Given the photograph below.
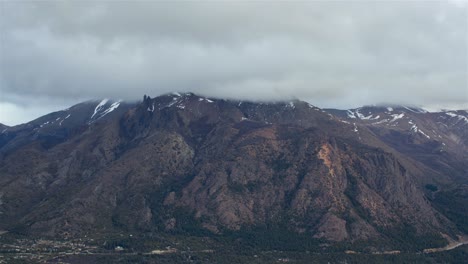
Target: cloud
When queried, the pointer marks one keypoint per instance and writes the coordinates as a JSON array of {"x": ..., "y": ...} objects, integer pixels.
[
  {"x": 15, "y": 112},
  {"x": 332, "y": 54}
]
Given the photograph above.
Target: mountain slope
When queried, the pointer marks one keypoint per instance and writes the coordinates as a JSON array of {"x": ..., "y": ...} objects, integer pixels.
[
  {"x": 57, "y": 127},
  {"x": 439, "y": 140},
  {"x": 185, "y": 162}
]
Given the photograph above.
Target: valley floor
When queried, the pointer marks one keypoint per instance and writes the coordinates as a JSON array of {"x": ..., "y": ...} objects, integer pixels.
[{"x": 186, "y": 249}]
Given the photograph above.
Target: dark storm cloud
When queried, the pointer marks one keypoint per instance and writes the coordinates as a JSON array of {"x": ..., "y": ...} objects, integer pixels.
[{"x": 335, "y": 54}]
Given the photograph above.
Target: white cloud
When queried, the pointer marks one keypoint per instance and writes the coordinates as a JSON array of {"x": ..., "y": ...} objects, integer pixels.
[
  {"x": 332, "y": 54},
  {"x": 13, "y": 114}
]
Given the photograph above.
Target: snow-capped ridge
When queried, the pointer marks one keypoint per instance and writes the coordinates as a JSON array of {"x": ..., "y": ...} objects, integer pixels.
[
  {"x": 103, "y": 108},
  {"x": 99, "y": 106},
  {"x": 459, "y": 117}
]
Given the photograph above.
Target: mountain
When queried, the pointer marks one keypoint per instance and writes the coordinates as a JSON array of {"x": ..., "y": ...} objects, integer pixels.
[
  {"x": 187, "y": 163},
  {"x": 439, "y": 140},
  {"x": 57, "y": 127}
]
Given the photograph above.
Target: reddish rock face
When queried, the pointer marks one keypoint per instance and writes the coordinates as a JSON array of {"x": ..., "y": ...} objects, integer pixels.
[{"x": 180, "y": 160}]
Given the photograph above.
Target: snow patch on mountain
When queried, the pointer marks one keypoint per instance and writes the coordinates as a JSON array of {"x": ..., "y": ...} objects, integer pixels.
[
  {"x": 100, "y": 111},
  {"x": 174, "y": 101},
  {"x": 205, "y": 99},
  {"x": 358, "y": 114},
  {"x": 99, "y": 107},
  {"x": 111, "y": 108},
  {"x": 380, "y": 122},
  {"x": 460, "y": 117},
  {"x": 415, "y": 110},
  {"x": 61, "y": 121},
  {"x": 181, "y": 106},
  {"x": 396, "y": 117},
  {"x": 151, "y": 109},
  {"x": 45, "y": 123},
  {"x": 350, "y": 114},
  {"x": 415, "y": 129}
]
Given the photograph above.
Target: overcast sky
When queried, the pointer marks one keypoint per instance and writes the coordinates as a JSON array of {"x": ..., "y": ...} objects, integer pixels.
[{"x": 340, "y": 54}]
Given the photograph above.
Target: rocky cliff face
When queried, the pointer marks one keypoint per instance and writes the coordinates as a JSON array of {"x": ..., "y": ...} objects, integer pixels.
[{"x": 181, "y": 160}]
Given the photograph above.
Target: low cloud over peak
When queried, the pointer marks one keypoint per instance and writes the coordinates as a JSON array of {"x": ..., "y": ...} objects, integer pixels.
[{"x": 332, "y": 54}]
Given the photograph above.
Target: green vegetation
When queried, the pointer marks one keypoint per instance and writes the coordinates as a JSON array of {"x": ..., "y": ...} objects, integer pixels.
[
  {"x": 453, "y": 203},
  {"x": 259, "y": 245},
  {"x": 269, "y": 239},
  {"x": 455, "y": 256},
  {"x": 406, "y": 238},
  {"x": 432, "y": 187}
]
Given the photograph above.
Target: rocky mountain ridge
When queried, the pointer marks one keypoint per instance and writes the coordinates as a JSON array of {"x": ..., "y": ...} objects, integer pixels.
[{"x": 186, "y": 162}]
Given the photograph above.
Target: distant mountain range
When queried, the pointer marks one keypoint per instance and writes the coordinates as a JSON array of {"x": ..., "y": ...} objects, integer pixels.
[{"x": 197, "y": 164}]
